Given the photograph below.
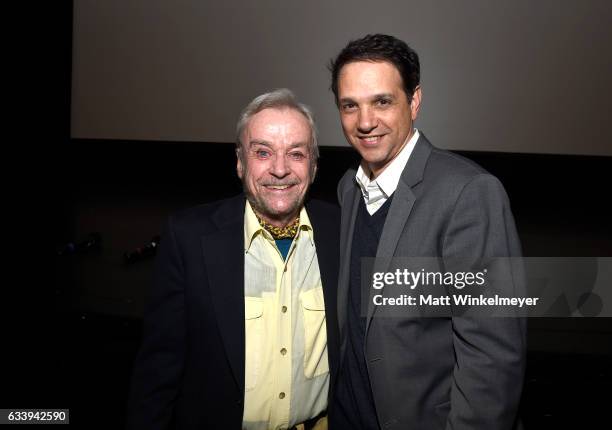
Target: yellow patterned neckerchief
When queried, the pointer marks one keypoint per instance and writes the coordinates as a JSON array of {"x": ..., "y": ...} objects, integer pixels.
[{"x": 277, "y": 233}]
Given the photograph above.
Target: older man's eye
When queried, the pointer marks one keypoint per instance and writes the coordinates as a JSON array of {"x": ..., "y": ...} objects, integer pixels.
[
  {"x": 297, "y": 156},
  {"x": 262, "y": 153}
]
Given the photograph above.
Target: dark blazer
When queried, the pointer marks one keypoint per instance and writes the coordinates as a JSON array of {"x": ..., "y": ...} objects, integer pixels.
[
  {"x": 189, "y": 373},
  {"x": 437, "y": 373}
]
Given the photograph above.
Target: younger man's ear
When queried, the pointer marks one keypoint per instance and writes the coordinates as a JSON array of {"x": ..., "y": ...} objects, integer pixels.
[{"x": 415, "y": 103}]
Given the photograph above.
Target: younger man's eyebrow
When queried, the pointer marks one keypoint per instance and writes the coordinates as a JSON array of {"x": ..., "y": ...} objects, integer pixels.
[
  {"x": 346, "y": 100},
  {"x": 375, "y": 97},
  {"x": 382, "y": 96}
]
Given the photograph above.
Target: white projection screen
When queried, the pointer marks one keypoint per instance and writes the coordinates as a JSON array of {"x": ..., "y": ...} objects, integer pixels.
[{"x": 514, "y": 76}]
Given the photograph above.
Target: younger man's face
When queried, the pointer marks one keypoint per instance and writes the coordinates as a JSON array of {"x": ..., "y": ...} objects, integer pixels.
[{"x": 376, "y": 115}]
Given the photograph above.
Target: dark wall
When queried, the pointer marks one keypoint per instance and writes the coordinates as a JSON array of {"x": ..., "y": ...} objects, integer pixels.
[{"x": 125, "y": 190}]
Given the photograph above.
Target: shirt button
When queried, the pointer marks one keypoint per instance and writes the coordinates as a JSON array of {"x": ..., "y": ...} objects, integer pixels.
[
  {"x": 283, "y": 351},
  {"x": 284, "y": 309},
  {"x": 281, "y": 395},
  {"x": 285, "y": 269}
]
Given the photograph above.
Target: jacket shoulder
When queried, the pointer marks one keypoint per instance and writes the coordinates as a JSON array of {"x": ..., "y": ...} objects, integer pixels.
[
  {"x": 206, "y": 217},
  {"x": 322, "y": 208},
  {"x": 453, "y": 166},
  {"x": 323, "y": 214},
  {"x": 445, "y": 175}
]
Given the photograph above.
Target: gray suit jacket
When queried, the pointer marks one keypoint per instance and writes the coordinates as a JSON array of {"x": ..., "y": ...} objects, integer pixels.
[{"x": 439, "y": 373}]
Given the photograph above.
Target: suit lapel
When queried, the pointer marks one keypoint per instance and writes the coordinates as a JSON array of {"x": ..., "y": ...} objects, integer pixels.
[
  {"x": 399, "y": 212},
  {"x": 348, "y": 217},
  {"x": 223, "y": 252},
  {"x": 401, "y": 206}
]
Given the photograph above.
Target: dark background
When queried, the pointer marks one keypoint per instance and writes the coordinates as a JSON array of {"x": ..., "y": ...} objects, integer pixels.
[{"x": 72, "y": 324}]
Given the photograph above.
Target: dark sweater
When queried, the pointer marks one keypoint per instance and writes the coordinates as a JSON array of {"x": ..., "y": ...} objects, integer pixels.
[{"x": 355, "y": 407}]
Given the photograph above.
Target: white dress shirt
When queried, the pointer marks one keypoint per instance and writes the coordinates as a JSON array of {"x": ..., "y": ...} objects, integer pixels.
[{"x": 377, "y": 191}]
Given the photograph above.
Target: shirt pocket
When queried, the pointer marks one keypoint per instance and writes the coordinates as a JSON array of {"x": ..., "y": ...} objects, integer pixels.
[
  {"x": 315, "y": 333},
  {"x": 254, "y": 327}
]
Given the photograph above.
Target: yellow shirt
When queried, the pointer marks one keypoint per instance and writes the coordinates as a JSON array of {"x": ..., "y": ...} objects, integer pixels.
[{"x": 286, "y": 367}]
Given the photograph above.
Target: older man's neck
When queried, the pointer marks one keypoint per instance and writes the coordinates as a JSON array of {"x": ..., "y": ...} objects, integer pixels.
[{"x": 280, "y": 222}]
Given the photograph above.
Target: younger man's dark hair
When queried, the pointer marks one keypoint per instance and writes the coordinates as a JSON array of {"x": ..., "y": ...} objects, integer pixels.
[{"x": 380, "y": 47}]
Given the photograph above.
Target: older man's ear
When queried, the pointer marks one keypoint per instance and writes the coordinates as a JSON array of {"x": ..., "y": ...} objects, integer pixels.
[
  {"x": 239, "y": 168},
  {"x": 314, "y": 173}
]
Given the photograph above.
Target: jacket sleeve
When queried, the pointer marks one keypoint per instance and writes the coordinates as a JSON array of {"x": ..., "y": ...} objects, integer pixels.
[
  {"x": 159, "y": 364},
  {"x": 490, "y": 351}
]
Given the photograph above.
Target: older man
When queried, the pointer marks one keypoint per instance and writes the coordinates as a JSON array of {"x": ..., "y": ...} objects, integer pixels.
[
  {"x": 235, "y": 333},
  {"x": 411, "y": 199}
]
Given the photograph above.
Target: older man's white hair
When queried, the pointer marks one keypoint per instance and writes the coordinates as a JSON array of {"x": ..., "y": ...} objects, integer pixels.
[{"x": 281, "y": 98}]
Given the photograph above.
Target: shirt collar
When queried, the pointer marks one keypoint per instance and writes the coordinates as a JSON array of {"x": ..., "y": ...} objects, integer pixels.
[
  {"x": 387, "y": 181},
  {"x": 252, "y": 227}
]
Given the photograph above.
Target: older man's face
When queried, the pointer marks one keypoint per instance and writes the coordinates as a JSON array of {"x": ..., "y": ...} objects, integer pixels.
[{"x": 275, "y": 164}]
